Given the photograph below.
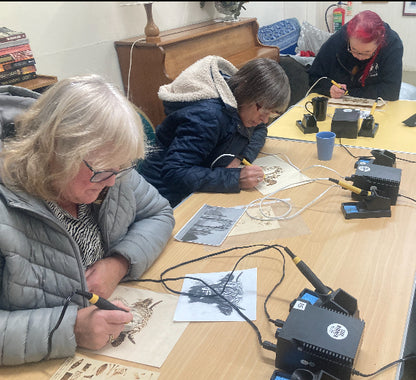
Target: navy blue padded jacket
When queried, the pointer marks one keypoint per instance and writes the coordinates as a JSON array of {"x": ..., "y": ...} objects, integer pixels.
[{"x": 194, "y": 144}]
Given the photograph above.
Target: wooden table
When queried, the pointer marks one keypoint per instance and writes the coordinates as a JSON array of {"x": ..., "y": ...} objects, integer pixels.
[{"x": 371, "y": 259}]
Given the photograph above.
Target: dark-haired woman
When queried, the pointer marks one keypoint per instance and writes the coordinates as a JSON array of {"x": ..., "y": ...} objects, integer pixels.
[{"x": 216, "y": 116}]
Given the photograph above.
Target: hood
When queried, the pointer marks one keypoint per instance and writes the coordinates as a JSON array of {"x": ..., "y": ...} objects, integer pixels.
[
  {"x": 202, "y": 80},
  {"x": 13, "y": 101}
]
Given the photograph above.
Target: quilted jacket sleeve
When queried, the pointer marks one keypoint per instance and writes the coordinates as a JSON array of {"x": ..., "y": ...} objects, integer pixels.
[
  {"x": 200, "y": 130},
  {"x": 138, "y": 222},
  {"x": 257, "y": 141},
  {"x": 24, "y": 334}
]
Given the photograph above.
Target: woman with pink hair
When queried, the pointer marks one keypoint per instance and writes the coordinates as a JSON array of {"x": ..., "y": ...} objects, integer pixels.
[{"x": 364, "y": 57}]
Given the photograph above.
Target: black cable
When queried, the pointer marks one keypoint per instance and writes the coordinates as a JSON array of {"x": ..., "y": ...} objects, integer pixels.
[
  {"x": 397, "y": 158},
  {"x": 404, "y": 196},
  {"x": 410, "y": 357},
  {"x": 340, "y": 143},
  {"x": 403, "y": 159},
  {"x": 262, "y": 248},
  {"x": 61, "y": 317},
  {"x": 274, "y": 288}
]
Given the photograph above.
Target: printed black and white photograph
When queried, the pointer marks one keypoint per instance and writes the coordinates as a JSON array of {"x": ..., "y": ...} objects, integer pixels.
[
  {"x": 202, "y": 302},
  {"x": 210, "y": 225}
]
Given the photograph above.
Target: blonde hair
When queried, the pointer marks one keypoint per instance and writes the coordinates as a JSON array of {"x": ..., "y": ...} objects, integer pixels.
[{"x": 76, "y": 117}]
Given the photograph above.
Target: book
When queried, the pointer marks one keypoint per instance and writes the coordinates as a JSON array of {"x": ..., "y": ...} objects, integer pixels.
[
  {"x": 14, "y": 73},
  {"x": 16, "y": 56},
  {"x": 7, "y": 44},
  {"x": 7, "y": 34},
  {"x": 18, "y": 79},
  {"x": 13, "y": 49},
  {"x": 17, "y": 64}
]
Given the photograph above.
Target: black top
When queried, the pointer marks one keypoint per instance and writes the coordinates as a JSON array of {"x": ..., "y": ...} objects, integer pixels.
[{"x": 335, "y": 62}]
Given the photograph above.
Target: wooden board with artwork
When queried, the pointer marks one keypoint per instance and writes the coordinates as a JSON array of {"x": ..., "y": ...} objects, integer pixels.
[{"x": 353, "y": 101}]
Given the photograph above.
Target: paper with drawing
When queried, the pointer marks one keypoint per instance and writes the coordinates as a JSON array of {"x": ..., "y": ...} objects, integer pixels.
[
  {"x": 82, "y": 367},
  {"x": 247, "y": 224},
  {"x": 278, "y": 174},
  {"x": 152, "y": 334}
]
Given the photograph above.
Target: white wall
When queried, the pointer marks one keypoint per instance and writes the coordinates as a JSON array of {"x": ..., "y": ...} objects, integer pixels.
[{"x": 73, "y": 38}]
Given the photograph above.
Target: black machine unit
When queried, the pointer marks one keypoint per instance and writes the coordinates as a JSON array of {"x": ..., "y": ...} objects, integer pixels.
[
  {"x": 386, "y": 179},
  {"x": 345, "y": 122},
  {"x": 318, "y": 339}
]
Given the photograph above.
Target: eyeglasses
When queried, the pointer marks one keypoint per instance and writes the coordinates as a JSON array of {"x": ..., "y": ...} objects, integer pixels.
[
  {"x": 264, "y": 112},
  {"x": 357, "y": 53},
  {"x": 100, "y": 176}
]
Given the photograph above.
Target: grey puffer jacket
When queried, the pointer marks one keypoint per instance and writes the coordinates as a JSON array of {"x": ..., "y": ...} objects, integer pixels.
[{"x": 40, "y": 263}]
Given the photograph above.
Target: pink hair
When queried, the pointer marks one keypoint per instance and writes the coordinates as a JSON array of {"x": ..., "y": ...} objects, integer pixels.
[{"x": 367, "y": 26}]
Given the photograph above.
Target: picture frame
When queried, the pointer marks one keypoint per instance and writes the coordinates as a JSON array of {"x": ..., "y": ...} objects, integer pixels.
[{"x": 409, "y": 8}]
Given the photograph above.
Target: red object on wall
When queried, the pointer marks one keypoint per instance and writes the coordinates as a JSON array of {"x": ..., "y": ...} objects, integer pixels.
[{"x": 338, "y": 18}]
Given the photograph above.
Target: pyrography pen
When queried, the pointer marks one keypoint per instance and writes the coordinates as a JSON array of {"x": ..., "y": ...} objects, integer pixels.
[
  {"x": 350, "y": 187},
  {"x": 339, "y": 86},
  {"x": 98, "y": 301},
  {"x": 306, "y": 271},
  {"x": 373, "y": 108},
  {"x": 245, "y": 162}
]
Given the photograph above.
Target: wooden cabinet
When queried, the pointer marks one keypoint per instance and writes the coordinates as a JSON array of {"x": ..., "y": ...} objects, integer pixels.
[{"x": 147, "y": 64}]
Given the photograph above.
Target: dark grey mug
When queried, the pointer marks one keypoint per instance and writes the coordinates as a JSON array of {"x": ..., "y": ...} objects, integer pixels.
[{"x": 319, "y": 106}]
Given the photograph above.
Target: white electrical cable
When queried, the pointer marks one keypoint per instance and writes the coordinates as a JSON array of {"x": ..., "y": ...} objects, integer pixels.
[
  {"x": 270, "y": 199},
  {"x": 130, "y": 65},
  {"x": 221, "y": 156},
  {"x": 314, "y": 85}
]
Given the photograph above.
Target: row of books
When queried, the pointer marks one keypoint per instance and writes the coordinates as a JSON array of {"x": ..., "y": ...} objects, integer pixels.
[{"x": 17, "y": 63}]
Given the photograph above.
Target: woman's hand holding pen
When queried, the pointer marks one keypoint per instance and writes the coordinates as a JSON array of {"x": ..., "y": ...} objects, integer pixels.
[
  {"x": 251, "y": 176},
  {"x": 338, "y": 90},
  {"x": 94, "y": 327}
]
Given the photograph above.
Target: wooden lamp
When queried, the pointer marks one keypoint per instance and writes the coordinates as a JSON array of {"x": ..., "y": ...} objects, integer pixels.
[{"x": 151, "y": 30}]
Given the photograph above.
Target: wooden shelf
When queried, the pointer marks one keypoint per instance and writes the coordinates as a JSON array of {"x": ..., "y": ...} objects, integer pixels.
[{"x": 39, "y": 83}]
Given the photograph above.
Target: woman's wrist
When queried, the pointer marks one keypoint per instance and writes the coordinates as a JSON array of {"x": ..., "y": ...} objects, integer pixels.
[{"x": 122, "y": 263}]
